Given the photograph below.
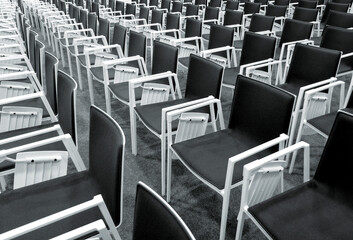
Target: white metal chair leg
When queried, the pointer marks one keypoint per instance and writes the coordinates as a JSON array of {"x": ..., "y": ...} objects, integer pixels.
[
  {"x": 163, "y": 143},
  {"x": 224, "y": 216},
  {"x": 240, "y": 225},
  {"x": 169, "y": 174},
  {"x": 133, "y": 131},
  {"x": 108, "y": 100},
  {"x": 78, "y": 66},
  {"x": 3, "y": 183},
  {"x": 90, "y": 86},
  {"x": 69, "y": 61}
]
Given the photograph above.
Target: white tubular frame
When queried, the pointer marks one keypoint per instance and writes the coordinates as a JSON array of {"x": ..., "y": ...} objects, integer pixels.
[
  {"x": 231, "y": 56},
  {"x": 171, "y": 115},
  {"x": 303, "y": 122},
  {"x": 198, "y": 42},
  {"x": 97, "y": 201},
  {"x": 109, "y": 64},
  {"x": 255, "y": 166},
  {"x": 90, "y": 51},
  {"x": 21, "y": 49},
  {"x": 77, "y": 53},
  {"x": 346, "y": 55}
]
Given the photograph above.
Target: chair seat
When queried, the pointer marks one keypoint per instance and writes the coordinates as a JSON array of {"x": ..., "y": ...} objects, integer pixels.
[
  {"x": 208, "y": 155},
  {"x": 58, "y": 146},
  {"x": 151, "y": 114},
  {"x": 80, "y": 49},
  {"x": 310, "y": 211},
  {"x": 82, "y": 59},
  {"x": 345, "y": 66},
  {"x": 238, "y": 44},
  {"x": 317, "y": 40},
  {"x": 184, "y": 61},
  {"x": 230, "y": 75},
  {"x": 31, "y": 203},
  {"x": 292, "y": 87},
  {"x": 98, "y": 73},
  {"x": 121, "y": 91}
]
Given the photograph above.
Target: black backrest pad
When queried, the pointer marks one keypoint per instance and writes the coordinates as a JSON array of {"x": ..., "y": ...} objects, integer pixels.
[{"x": 220, "y": 36}]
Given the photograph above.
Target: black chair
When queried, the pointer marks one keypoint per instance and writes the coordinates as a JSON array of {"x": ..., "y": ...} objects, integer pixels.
[
  {"x": 153, "y": 3},
  {"x": 165, "y": 5},
  {"x": 39, "y": 50},
  {"x": 119, "y": 36},
  {"x": 307, "y": 4},
  {"x": 210, "y": 155},
  {"x": 305, "y": 14},
  {"x": 84, "y": 18},
  {"x": 89, "y": 5},
  {"x": 173, "y": 22},
  {"x": 149, "y": 205},
  {"x": 215, "y": 3},
  {"x": 71, "y": 9},
  {"x": 177, "y": 7},
  {"x": 93, "y": 22},
  {"x": 76, "y": 13},
  {"x": 340, "y": 19},
  {"x": 105, "y": 177},
  {"x": 321, "y": 207},
  {"x": 340, "y": 7},
  {"x": 211, "y": 16},
  {"x": 282, "y": 2},
  {"x": 104, "y": 29},
  {"x": 192, "y": 10},
  {"x": 156, "y": 18},
  {"x": 276, "y": 10},
  {"x": 251, "y": 8},
  {"x": 256, "y": 48},
  {"x": 51, "y": 69},
  {"x": 33, "y": 36},
  {"x": 63, "y": 6},
  {"x": 95, "y": 8},
  {"x": 112, "y": 4},
  {"x": 343, "y": 1},
  {"x": 130, "y": 9},
  {"x": 204, "y": 79},
  {"x": 232, "y": 5},
  {"x": 120, "y": 6},
  {"x": 144, "y": 14}
]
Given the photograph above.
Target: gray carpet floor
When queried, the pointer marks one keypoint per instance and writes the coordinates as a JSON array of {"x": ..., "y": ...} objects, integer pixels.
[{"x": 198, "y": 205}]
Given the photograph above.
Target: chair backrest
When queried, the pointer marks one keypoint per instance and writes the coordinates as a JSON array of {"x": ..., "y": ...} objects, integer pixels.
[
  {"x": 63, "y": 6},
  {"x": 211, "y": 13},
  {"x": 232, "y": 17},
  {"x": 144, "y": 13},
  {"x": 307, "y": 4},
  {"x": 215, "y": 3},
  {"x": 137, "y": 44},
  {"x": 165, "y": 4},
  {"x": 251, "y": 7},
  {"x": 33, "y": 36},
  {"x": 149, "y": 206},
  {"x": 193, "y": 29},
  {"x": 103, "y": 3},
  {"x": 339, "y": 7},
  {"x": 295, "y": 30},
  {"x": 119, "y": 36},
  {"x": 204, "y": 78},
  {"x": 89, "y": 5},
  {"x": 261, "y": 22},
  {"x": 310, "y": 64},
  {"x": 92, "y": 22},
  {"x": 220, "y": 36},
  {"x": 335, "y": 166},
  {"x": 343, "y": 1},
  {"x": 340, "y": 19},
  {"x": 106, "y": 159},
  {"x": 84, "y": 17},
  {"x": 200, "y": 2},
  {"x": 340, "y": 39},
  {"x": 120, "y": 6},
  {"x": 104, "y": 28},
  {"x": 51, "y": 71},
  {"x": 257, "y": 47},
  {"x": 80, "y": 3},
  {"x": 71, "y": 10},
  {"x": 153, "y": 3},
  {"x": 39, "y": 50},
  {"x": 156, "y": 17},
  {"x": 232, "y": 5},
  {"x": 262, "y": 2},
  {"x": 282, "y": 2},
  {"x": 192, "y": 10},
  {"x": 177, "y": 7},
  {"x": 39, "y": 166},
  {"x": 77, "y": 13},
  {"x": 305, "y": 14},
  {"x": 173, "y": 21},
  {"x": 251, "y": 98},
  {"x": 130, "y": 9},
  {"x": 165, "y": 58},
  {"x": 66, "y": 90},
  {"x": 95, "y": 8},
  {"x": 276, "y": 10}
]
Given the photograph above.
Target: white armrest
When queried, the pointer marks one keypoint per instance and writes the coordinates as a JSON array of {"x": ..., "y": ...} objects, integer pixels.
[
  {"x": 347, "y": 55},
  {"x": 215, "y": 50},
  {"x": 242, "y": 67},
  {"x": 186, "y": 39},
  {"x": 251, "y": 68}
]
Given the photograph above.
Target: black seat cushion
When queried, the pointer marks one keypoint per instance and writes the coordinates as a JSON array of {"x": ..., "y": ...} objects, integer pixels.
[
  {"x": 121, "y": 91},
  {"x": 151, "y": 114},
  {"x": 211, "y": 161},
  {"x": 230, "y": 75},
  {"x": 310, "y": 211},
  {"x": 31, "y": 203},
  {"x": 98, "y": 73}
]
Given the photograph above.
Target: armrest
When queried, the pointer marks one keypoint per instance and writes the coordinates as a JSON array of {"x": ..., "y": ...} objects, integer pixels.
[
  {"x": 134, "y": 21},
  {"x": 158, "y": 25},
  {"x": 251, "y": 68},
  {"x": 181, "y": 40},
  {"x": 191, "y": 16},
  {"x": 156, "y": 33},
  {"x": 90, "y": 51},
  {"x": 347, "y": 55},
  {"x": 317, "y": 84},
  {"x": 210, "y": 21},
  {"x": 242, "y": 67},
  {"x": 216, "y": 50}
]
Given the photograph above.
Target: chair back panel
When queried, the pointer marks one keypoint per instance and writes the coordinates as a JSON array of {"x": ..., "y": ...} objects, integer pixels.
[
  {"x": 165, "y": 4},
  {"x": 177, "y": 7},
  {"x": 144, "y": 13},
  {"x": 232, "y": 17},
  {"x": 276, "y": 10},
  {"x": 305, "y": 14},
  {"x": 260, "y": 112},
  {"x": 106, "y": 159},
  {"x": 340, "y": 19},
  {"x": 211, "y": 13},
  {"x": 120, "y": 6},
  {"x": 84, "y": 17},
  {"x": 40, "y": 166},
  {"x": 307, "y": 4},
  {"x": 192, "y": 10},
  {"x": 232, "y": 5},
  {"x": 339, "y": 7},
  {"x": 215, "y": 3},
  {"x": 33, "y": 36},
  {"x": 137, "y": 44},
  {"x": 193, "y": 28},
  {"x": 220, "y": 36},
  {"x": 282, "y": 2},
  {"x": 165, "y": 58},
  {"x": 119, "y": 37},
  {"x": 39, "y": 59},
  {"x": 95, "y": 8},
  {"x": 260, "y": 23},
  {"x": 77, "y": 13},
  {"x": 295, "y": 30},
  {"x": 251, "y": 7},
  {"x": 104, "y": 29},
  {"x": 51, "y": 70},
  {"x": 157, "y": 17},
  {"x": 130, "y": 9},
  {"x": 92, "y": 22},
  {"x": 10, "y": 89}
]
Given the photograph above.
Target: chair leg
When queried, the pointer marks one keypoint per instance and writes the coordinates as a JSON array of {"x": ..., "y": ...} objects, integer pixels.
[
  {"x": 108, "y": 100},
  {"x": 299, "y": 137},
  {"x": 163, "y": 143},
  {"x": 69, "y": 61},
  {"x": 240, "y": 225},
  {"x": 78, "y": 66},
  {"x": 90, "y": 86},
  {"x": 169, "y": 174},
  {"x": 224, "y": 216},
  {"x": 2, "y": 183},
  {"x": 133, "y": 131}
]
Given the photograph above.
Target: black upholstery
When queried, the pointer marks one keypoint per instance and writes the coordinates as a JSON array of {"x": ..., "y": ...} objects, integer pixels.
[
  {"x": 51, "y": 66},
  {"x": 282, "y": 2},
  {"x": 232, "y": 5},
  {"x": 150, "y": 206},
  {"x": 192, "y": 10},
  {"x": 112, "y": 4},
  {"x": 250, "y": 7},
  {"x": 310, "y": 64},
  {"x": 177, "y": 7},
  {"x": 33, "y": 36},
  {"x": 66, "y": 91},
  {"x": 276, "y": 10},
  {"x": 76, "y": 13},
  {"x": 173, "y": 22},
  {"x": 95, "y": 8},
  {"x": 262, "y": 2},
  {"x": 260, "y": 23},
  {"x": 340, "y": 7},
  {"x": 89, "y": 5},
  {"x": 157, "y": 17},
  {"x": 211, "y": 13},
  {"x": 165, "y": 4},
  {"x": 307, "y": 4},
  {"x": 137, "y": 44},
  {"x": 208, "y": 155},
  {"x": 200, "y": 2},
  {"x": 119, "y": 36},
  {"x": 144, "y": 14},
  {"x": 104, "y": 177},
  {"x": 340, "y": 19},
  {"x": 220, "y": 36},
  {"x": 84, "y": 17},
  {"x": 215, "y": 3},
  {"x": 130, "y": 9},
  {"x": 104, "y": 29},
  {"x": 92, "y": 22},
  {"x": 232, "y": 17},
  {"x": 321, "y": 207},
  {"x": 39, "y": 64},
  {"x": 63, "y": 6},
  {"x": 340, "y": 39},
  {"x": 295, "y": 30},
  {"x": 193, "y": 29},
  {"x": 204, "y": 79},
  {"x": 305, "y": 14},
  {"x": 71, "y": 10},
  {"x": 153, "y": 3},
  {"x": 343, "y": 1},
  {"x": 120, "y": 6}
]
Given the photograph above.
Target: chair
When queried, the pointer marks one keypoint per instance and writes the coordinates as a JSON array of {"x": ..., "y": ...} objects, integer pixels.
[
  {"x": 104, "y": 29},
  {"x": 282, "y": 2},
  {"x": 50, "y": 83},
  {"x": 232, "y": 5},
  {"x": 106, "y": 160},
  {"x": 340, "y": 19},
  {"x": 39, "y": 50},
  {"x": 279, "y": 12},
  {"x": 319, "y": 206},
  {"x": 120, "y": 6},
  {"x": 33, "y": 36},
  {"x": 84, "y": 17},
  {"x": 307, "y": 4},
  {"x": 340, "y": 7},
  {"x": 217, "y": 158},
  {"x": 119, "y": 36},
  {"x": 308, "y": 15},
  {"x": 177, "y": 7},
  {"x": 203, "y": 80},
  {"x": 149, "y": 205},
  {"x": 95, "y": 8}
]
